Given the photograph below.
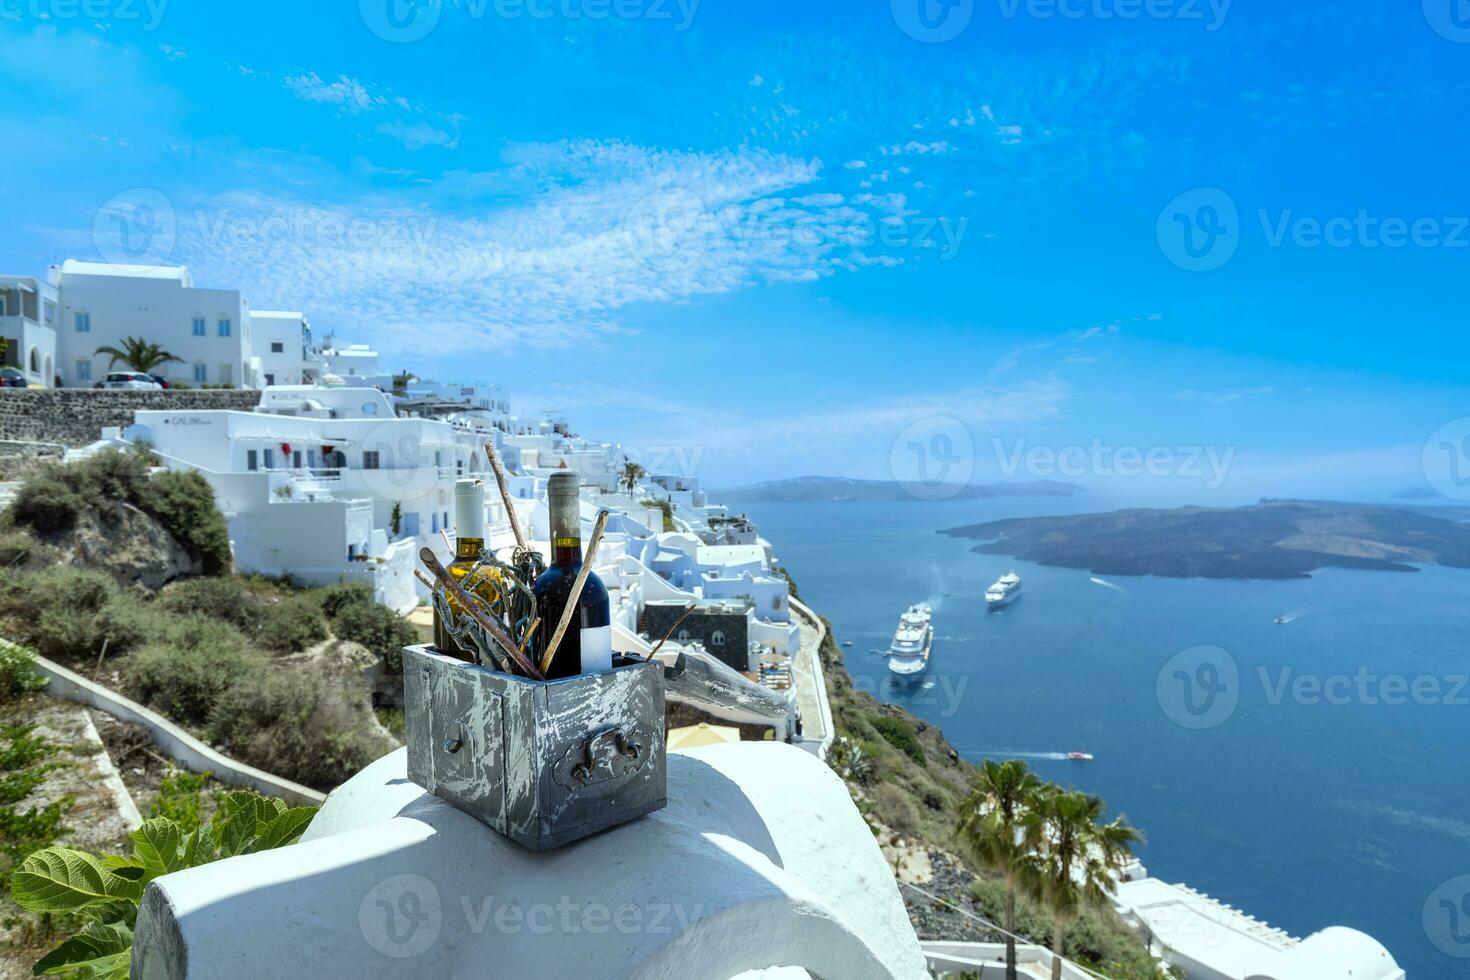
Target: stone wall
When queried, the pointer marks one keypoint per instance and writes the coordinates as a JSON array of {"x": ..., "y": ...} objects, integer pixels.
[
  {"x": 702, "y": 625},
  {"x": 75, "y": 416}
]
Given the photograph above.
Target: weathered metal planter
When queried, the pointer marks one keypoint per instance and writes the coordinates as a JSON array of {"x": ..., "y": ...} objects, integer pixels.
[{"x": 545, "y": 763}]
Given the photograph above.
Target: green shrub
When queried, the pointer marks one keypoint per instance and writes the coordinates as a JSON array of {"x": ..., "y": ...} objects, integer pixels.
[
  {"x": 15, "y": 548},
  {"x": 378, "y": 628},
  {"x": 335, "y": 598},
  {"x": 291, "y": 624},
  {"x": 306, "y": 726},
  {"x": 224, "y": 599},
  {"x": 184, "y": 504},
  {"x": 125, "y": 622},
  {"x": 181, "y": 798},
  {"x": 18, "y": 674},
  {"x": 46, "y": 504},
  {"x": 186, "y": 672},
  {"x": 899, "y": 734},
  {"x": 51, "y": 500},
  {"x": 55, "y": 610}
]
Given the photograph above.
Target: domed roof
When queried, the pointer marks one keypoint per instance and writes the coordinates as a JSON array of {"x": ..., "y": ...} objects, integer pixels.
[{"x": 1336, "y": 953}]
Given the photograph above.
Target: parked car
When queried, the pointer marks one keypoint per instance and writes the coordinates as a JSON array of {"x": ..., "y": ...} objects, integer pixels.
[
  {"x": 162, "y": 381},
  {"x": 11, "y": 378},
  {"x": 130, "y": 380}
]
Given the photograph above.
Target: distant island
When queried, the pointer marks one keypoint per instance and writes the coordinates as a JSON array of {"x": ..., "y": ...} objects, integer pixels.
[
  {"x": 1274, "y": 539},
  {"x": 841, "y": 489}
]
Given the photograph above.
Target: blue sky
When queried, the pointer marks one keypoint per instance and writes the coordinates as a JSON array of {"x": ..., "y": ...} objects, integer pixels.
[{"x": 765, "y": 239}]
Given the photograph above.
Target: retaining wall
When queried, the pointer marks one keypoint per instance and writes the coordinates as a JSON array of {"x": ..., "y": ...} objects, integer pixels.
[{"x": 76, "y": 416}]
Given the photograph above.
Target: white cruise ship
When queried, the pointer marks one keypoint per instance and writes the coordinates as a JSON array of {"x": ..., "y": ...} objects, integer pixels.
[
  {"x": 1007, "y": 589},
  {"x": 908, "y": 655}
]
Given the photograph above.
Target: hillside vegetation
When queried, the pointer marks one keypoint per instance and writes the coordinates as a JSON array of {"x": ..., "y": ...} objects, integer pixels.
[{"x": 270, "y": 674}]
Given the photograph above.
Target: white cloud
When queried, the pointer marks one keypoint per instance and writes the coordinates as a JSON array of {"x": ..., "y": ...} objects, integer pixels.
[
  {"x": 346, "y": 92},
  {"x": 756, "y": 81},
  {"x": 417, "y": 135},
  {"x": 620, "y": 224},
  {"x": 856, "y": 164}
]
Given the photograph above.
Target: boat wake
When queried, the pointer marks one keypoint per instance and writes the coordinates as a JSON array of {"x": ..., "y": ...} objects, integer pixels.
[
  {"x": 1017, "y": 754},
  {"x": 1106, "y": 584}
]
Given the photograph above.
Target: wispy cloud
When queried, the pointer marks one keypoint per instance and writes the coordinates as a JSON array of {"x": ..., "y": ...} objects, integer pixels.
[
  {"x": 597, "y": 226},
  {"x": 348, "y": 93}
]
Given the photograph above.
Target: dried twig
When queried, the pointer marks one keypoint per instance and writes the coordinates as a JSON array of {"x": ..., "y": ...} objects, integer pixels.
[
  {"x": 505, "y": 498},
  {"x": 497, "y": 632},
  {"x": 687, "y": 610},
  {"x": 428, "y": 582},
  {"x": 572, "y": 600}
]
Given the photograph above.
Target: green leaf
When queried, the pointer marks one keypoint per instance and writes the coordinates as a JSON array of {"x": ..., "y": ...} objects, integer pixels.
[
  {"x": 285, "y": 828},
  {"x": 100, "y": 951},
  {"x": 157, "y": 844},
  {"x": 234, "y": 828},
  {"x": 58, "y": 879},
  {"x": 199, "y": 848}
]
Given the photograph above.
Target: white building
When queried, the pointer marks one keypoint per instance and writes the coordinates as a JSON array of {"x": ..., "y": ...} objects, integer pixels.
[
  {"x": 28, "y": 312},
  {"x": 355, "y": 365},
  {"x": 327, "y": 483},
  {"x": 101, "y": 305},
  {"x": 1209, "y": 940},
  {"x": 282, "y": 343}
]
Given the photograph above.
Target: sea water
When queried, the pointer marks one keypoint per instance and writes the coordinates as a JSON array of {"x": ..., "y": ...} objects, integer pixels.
[{"x": 1321, "y": 792}]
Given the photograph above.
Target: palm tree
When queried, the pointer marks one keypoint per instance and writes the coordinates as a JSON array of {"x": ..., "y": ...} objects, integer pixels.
[
  {"x": 991, "y": 824},
  {"x": 632, "y": 473},
  {"x": 139, "y": 355},
  {"x": 1073, "y": 856}
]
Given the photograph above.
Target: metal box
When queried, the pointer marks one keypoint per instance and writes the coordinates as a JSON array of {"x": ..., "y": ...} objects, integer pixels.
[{"x": 543, "y": 762}]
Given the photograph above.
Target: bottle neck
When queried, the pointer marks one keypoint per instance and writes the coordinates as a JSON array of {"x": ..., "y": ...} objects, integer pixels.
[{"x": 470, "y": 548}]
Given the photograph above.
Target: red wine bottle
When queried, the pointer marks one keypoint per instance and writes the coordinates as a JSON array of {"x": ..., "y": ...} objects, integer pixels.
[{"x": 586, "y": 648}]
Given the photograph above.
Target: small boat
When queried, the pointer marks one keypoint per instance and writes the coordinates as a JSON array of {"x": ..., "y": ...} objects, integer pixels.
[
  {"x": 1282, "y": 620},
  {"x": 1080, "y": 756},
  {"x": 847, "y": 643}
]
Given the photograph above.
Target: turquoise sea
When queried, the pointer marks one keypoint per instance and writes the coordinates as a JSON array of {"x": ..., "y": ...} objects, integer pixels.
[{"x": 1330, "y": 786}]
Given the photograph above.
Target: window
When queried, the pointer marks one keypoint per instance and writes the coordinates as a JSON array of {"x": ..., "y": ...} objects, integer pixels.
[
  {"x": 224, "y": 374},
  {"x": 434, "y": 523},
  {"x": 84, "y": 323},
  {"x": 199, "y": 326},
  {"x": 717, "y": 638},
  {"x": 370, "y": 459},
  {"x": 84, "y": 370},
  {"x": 270, "y": 459},
  {"x": 296, "y": 459},
  {"x": 201, "y": 374},
  {"x": 224, "y": 326},
  {"x": 277, "y": 347},
  {"x": 252, "y": 460},
  {"x": 411, "y": 524},
  {"x": 270, "y": 379},
  {"x": 50, "y": 308},
  {"x": 683, "y": 636}
]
